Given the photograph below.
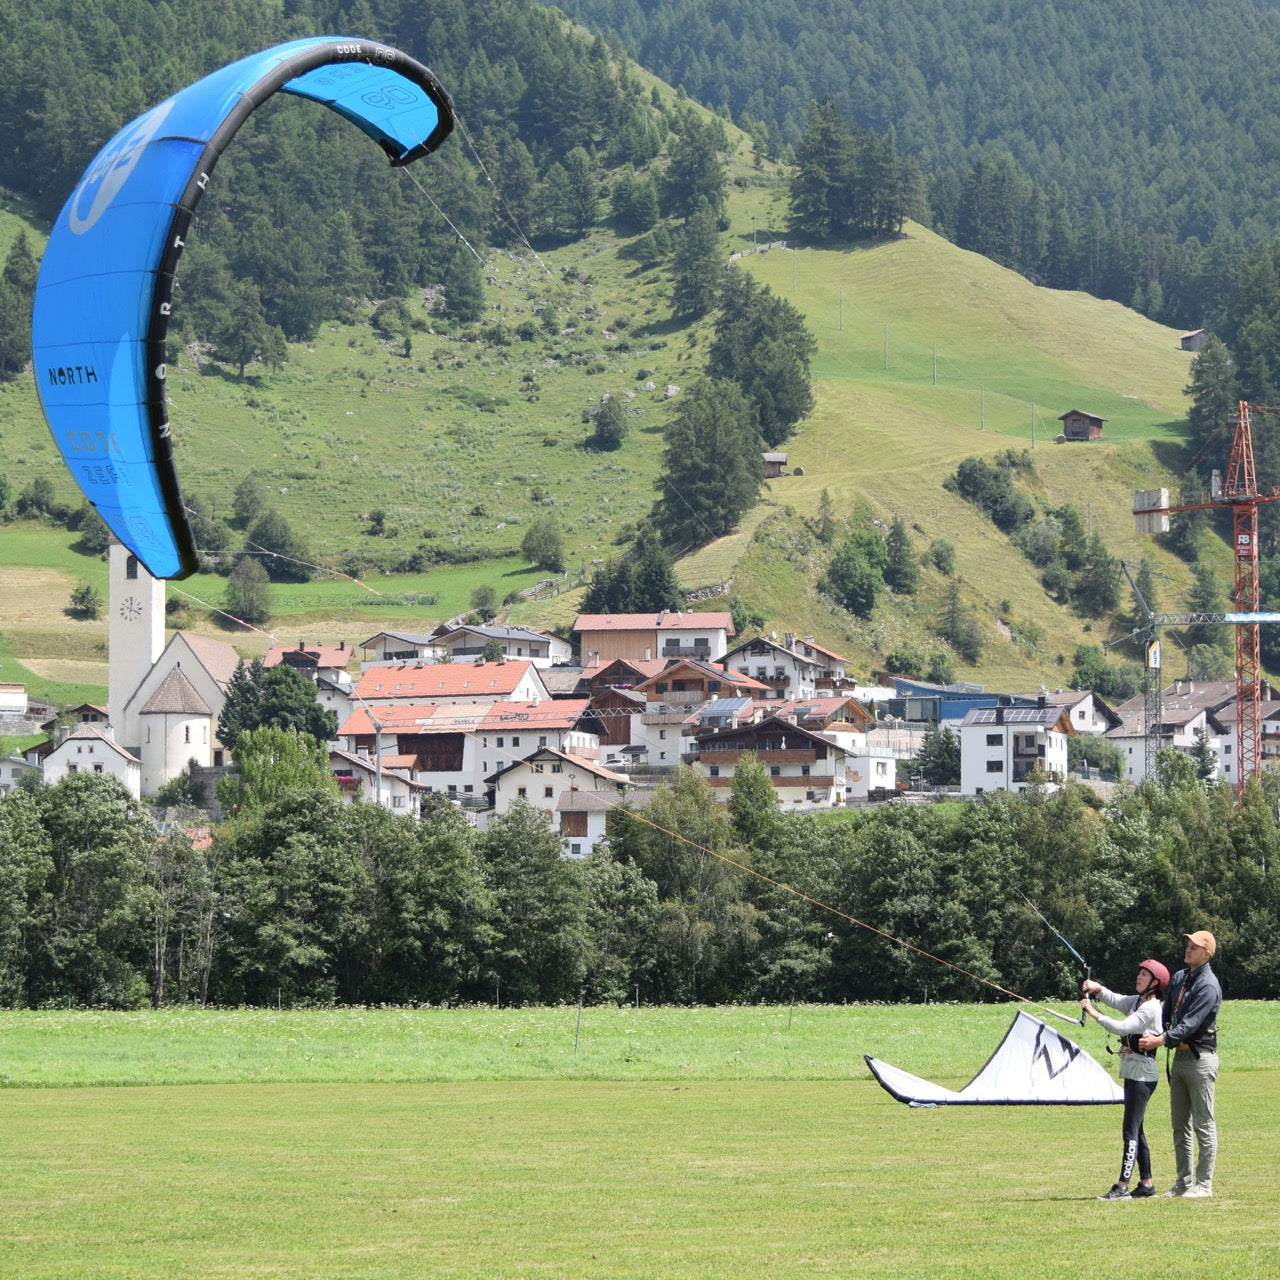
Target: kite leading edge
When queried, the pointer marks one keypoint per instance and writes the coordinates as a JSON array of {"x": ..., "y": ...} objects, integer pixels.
[{"x": 104, "y": 291}]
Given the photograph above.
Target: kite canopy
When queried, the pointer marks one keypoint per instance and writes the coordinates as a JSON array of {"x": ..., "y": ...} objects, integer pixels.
[
  {"x": 106, "y": 280},
  {"x": 1033, "y": 1065}
]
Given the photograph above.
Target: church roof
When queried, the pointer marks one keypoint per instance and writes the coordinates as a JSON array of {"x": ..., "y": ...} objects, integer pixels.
[{"x": 176, "y": 695}]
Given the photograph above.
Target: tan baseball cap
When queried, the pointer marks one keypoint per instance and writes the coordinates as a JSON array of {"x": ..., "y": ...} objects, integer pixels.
[{"x": 1203, "y": 938}]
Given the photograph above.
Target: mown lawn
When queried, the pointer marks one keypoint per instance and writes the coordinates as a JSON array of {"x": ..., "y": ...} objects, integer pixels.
[{"x": 630, "y": 1143}]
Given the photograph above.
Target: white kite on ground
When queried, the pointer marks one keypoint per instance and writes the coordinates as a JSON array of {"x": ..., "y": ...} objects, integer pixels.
[{"x": 1032, "y": 1065}]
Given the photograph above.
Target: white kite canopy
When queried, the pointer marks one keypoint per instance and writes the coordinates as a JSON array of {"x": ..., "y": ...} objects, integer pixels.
[{"x": 1033, "y": 1065}]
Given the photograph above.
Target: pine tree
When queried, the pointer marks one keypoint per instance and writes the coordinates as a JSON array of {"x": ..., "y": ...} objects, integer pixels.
[
  {"x": 712, "y": 468},
  {"x": 697, "y": 266},
  {"x": 902, "y": 571}
]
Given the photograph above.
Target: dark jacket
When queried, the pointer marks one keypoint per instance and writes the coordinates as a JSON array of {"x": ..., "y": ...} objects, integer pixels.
[{"x": 1191, "y": 1009}]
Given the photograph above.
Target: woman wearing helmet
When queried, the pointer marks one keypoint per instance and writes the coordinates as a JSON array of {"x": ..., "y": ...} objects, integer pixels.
[{"x": 1138, "y": 1067}]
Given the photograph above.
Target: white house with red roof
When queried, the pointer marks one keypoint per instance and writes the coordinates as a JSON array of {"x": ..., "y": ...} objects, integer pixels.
[
  {"x": 88, "y": 750},
  {"x": 644, "y": 637},
  {"x": 547, "y": 781},
  {"x": 453, "y": 747}
]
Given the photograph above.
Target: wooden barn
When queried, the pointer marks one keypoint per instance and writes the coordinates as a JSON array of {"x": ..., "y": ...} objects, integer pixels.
[{"x": 1078, "y": 425}]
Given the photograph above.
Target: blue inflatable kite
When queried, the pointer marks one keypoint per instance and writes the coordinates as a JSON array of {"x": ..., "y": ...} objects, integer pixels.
[{"x": 103, "y": 295}]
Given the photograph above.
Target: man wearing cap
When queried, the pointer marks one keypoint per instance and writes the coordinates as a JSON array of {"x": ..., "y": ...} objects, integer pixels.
[{"x": 1191, "y": 1032}]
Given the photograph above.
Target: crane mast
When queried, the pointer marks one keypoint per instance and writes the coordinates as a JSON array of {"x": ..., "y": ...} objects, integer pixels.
[{"x": 1151, "y": 510}]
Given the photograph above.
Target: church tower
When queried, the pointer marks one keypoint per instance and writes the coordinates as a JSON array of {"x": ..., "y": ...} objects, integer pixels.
[{"x": 135, "y": 635}]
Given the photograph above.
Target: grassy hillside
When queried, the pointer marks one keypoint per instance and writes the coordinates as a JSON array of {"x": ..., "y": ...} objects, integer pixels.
[{"x": 926, "y": 355}]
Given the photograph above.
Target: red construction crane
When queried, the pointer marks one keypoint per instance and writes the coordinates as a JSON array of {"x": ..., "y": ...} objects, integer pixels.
[{"x": 1240, "y": 493}]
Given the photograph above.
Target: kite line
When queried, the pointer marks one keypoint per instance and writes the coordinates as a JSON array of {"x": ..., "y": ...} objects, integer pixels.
[{"x": 844, "y": 915}]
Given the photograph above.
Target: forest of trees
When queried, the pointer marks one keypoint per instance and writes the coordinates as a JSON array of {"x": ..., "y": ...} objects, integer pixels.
[{"x": 301, "y": 899}]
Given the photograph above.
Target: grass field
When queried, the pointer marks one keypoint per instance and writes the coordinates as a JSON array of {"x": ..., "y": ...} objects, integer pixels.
[{"x": 615, "y": 1143}]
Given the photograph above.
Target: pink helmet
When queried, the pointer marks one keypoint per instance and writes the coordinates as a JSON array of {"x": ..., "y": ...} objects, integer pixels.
[{"x": 1158, "y": 972}]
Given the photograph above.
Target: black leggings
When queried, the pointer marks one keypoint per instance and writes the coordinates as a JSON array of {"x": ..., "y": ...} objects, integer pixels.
[{"x": 1137, "y": 1093}]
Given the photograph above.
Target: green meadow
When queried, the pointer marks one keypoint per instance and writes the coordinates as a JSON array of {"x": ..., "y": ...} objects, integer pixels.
[{"x": 606, "y": 1142}]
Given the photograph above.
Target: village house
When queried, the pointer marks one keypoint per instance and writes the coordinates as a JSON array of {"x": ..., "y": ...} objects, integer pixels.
[
  {"x": 363, "y": 779},
  {"x": 1194, "y": 340},
  {"x": 792, "y": 669},
  {"x": 13, "y": 700},
  {"x": 583, "y": 820},
  {"x": 545, "y": 778},
  {"x": 13, "y": 769},
  {"x": 602, "y": 637},
  {"x": 464, "y": 643},
  {"x": 315, "y": 661},
  {"x": 806, "y": 769},
  {"x": 432, "y": 743},
  {"x": 88, "y": 749},
  {"x": 481, "y": 683},
  {"x": 1188, "y": 708},
  {"x": 1087, "y": 712},
  {"x": 453, "y": 747},
  {"x": 398, "y": 646},
  {"x": 1007, "y": 748},
  {"x": 773, "y": 464}
]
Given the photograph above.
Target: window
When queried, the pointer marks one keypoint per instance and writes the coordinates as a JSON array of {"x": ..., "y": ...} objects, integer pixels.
[
  {"x": 662, "y": 735},
  {"x": 993, "y": 739},
  {"x": 187, "y": 733},
  {"x": 548, "y": 792},
  {"x": 73, "y": 768},
  {"x": 775, "y": 771},
  {"x": 500, "y": 743},
  {"x": 810, "y": 795},
  {"x": 515, "y": 742},
  {"x": 542, "y": 740},
  {"x": 557, "y": 767},
  {"x": 468, "y": 788},
  {"x": 131, "y": 567},
  {"x": 995, "y": 766},
  {"x": 397, "y": 802},
  {"x": 714, "y": 770},
  {"x": 575, "y": 850},
  {"x": 97, "y": 768},
  {"x": 804, "y": 770},
  {"x": 522, "y": 792}
]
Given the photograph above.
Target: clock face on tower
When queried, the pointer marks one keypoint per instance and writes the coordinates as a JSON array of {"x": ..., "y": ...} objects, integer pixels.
[{"x": 131, "y": 608}]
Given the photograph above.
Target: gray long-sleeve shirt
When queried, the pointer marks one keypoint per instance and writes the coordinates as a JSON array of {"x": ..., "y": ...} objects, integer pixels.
[{"x": 1144, "y": 1018}]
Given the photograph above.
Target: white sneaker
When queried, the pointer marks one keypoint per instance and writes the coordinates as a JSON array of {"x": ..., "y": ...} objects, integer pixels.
[{"x": 1200, "y": 1191}]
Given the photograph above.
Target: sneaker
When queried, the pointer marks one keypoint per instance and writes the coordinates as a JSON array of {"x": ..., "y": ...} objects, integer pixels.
[
  {"x": 1141, "y": 1192},
  {"x": 1198, "y": 1192},
  {"x": 1179, "y": 1188},
  {"x": 1117, "y": 1192}
]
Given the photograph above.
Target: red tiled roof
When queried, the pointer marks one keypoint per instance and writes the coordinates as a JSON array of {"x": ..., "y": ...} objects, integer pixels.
[
  {"x": 443, "y": 680},
  {"x": 552, "y": 713}
]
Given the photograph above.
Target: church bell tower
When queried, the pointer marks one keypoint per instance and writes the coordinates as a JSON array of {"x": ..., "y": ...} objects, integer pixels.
[{"x": 135, "y": 635}]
